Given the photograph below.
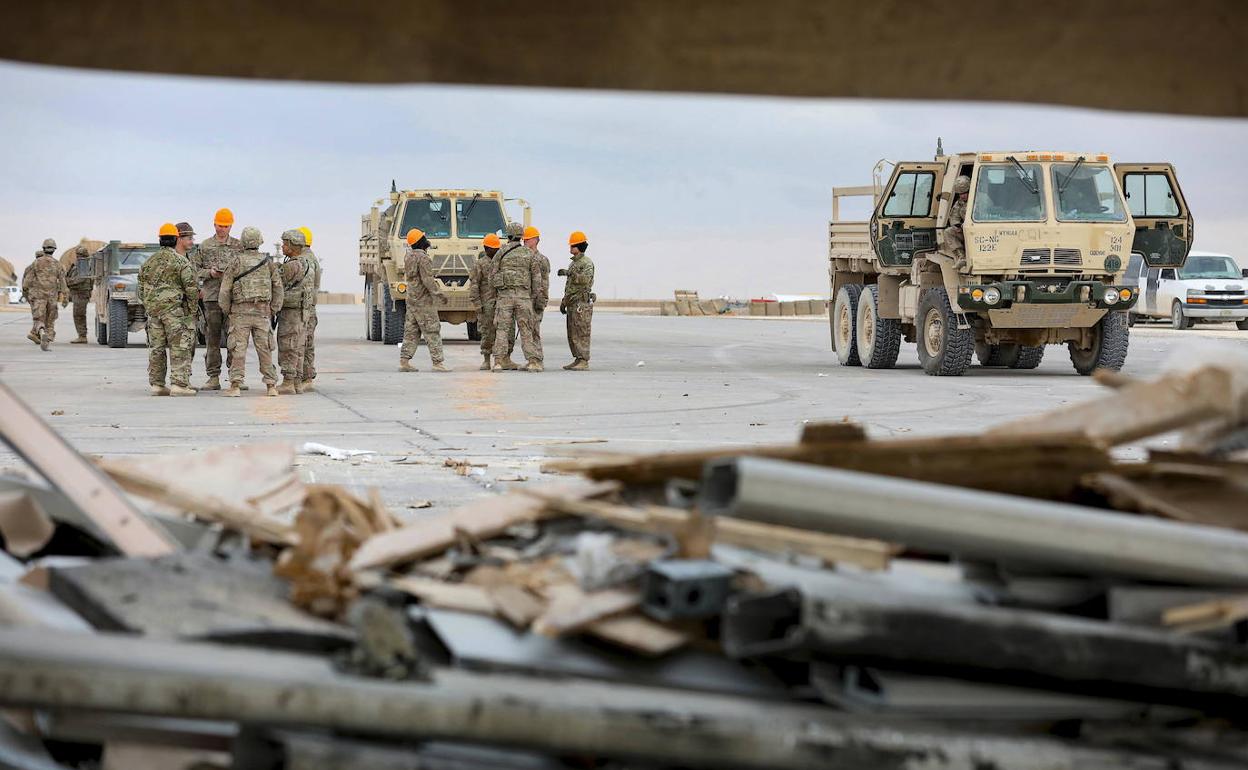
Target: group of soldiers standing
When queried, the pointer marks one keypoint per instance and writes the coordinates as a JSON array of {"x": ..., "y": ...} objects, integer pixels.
[
  {"x": 510, "y": 287},
  {"x": 244, "y": 296}
]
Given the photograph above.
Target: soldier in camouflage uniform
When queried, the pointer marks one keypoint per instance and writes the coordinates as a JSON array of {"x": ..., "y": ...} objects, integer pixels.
[
  {"x": 310, "y": 298},
  {"x": 515, "y": 278},
  {"x": 541, "y": 290},
  {"x": 955, "y": 243},
  {"x": 292, "y": 326},
  {"x": 483, "y": 296},
  {"x": 251, "y": 294},
  {"x": 210, "y": 259},
  {"x": 169, "y": 293},
  {"x": 423, "y": 291},
  {"x": 43, "y": 285},
  {"x": 578, "y": 301},
  {"x": 79, "y": 283}
]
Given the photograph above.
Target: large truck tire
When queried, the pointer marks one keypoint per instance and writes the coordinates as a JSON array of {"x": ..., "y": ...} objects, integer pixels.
[
  {"x": 1109, "y": 346},
  {"x": 996, "y": 355},
  {"x": 844, "y": 322},
  {"x": 944, "y": 349},
  {"x": 101, "y": 332},
  {"x": 118, "y": 323},
  {"x": 1029, "y": 357},
  {"x": 1242, "y": 325},
  {"x": 392, "y": 318},
  {"x": 474, "y": 331},
  {"x": 878, "y": 339},
  {"x": 1178, "y": 319}
]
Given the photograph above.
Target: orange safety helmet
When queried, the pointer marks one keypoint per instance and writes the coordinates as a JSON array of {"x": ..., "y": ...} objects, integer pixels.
[
  {"x": 532, "y": 232},
  {"x": 492, "y": 241},
  {"x": 577, "y": 237},
  {"x": 413, "y": 235},
  {"x": 223, "y": 217},
  {"x": 168, "y": 228}
]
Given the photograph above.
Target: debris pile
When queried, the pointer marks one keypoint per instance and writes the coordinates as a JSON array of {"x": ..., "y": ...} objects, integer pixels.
[{"x": 1026, "y": 597}]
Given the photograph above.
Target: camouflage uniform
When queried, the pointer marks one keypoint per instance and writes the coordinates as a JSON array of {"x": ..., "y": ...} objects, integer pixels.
[
  {"x": 250, "y": 301},
  {"x": 541, "y": 296},
  {"x": 483, "y": 297},
  {"x": 80, "y": 292},
  {"x": 169, "y": 293},
  {"x": 291, "y": 320},
  {"x": 955, "y": 241},
  {"x": 517, "y": 274},
  {"x": 424, "y": 294},
  {"x": 313, "y": 290},
  {"x": 578, "y": 304},
  {"x": 206, "y": 257},
  {"x": 43, "y": 283}
]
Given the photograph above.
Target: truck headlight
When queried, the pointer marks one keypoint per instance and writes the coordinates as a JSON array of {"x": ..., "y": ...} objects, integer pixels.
[
  {"x": 992, "y": 295},
  {"x": 119, "y": 287},
  {"x": 1110, "y": 296},
  {"x": 1125, "y": 294},
  {"x": 402, "y": 288}
]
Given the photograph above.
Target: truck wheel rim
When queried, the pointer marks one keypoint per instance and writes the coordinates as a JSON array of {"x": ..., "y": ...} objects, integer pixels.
[
  {"x": 933, "y": 333},
  {"x": 843, "y": 325},
  {"x": 868, "y": 329}
]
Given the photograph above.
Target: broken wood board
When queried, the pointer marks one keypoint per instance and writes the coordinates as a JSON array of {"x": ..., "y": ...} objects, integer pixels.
[
  {"x": 481, "y": 519},
  {"x": 869, "y": 554},
  {"x": 1207, "y": 615},
  {"x": 1210, "y": 494},
  {"x": 571, "y": 609},
  {"x": 1047, "y": 467},
  {"x": 81, "y": 482},
  {"x": 639, "y": 634},
  {"x": 447, "y": 596},
  {"x": 831, "y": 432},
  {"x": 25, "y": 526},
  {"x": 1139, "y": 409}
]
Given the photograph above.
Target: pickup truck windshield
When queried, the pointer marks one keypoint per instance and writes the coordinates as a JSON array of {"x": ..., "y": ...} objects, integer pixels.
[
  {"x": 478, "y": 217},
  {"x": 1005, "y": 192},
  {"x": 431, "y": 215},
  {"x": 1086, "y": 193},
  {"x": 1209, "y": 267}
]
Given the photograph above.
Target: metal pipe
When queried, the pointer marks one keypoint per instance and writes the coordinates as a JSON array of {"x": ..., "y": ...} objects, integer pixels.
[{"x": 973, "y": 524}]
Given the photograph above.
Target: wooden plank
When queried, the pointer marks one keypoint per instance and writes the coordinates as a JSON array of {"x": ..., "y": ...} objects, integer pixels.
[
  {"x": 515, "y": 605},
  {"x": 1208, "y": 615},
  {"x": 447, "y": 596},
  {"x": 831, "y": 432},
  {"x": 639, "y": 634},
  {"x": 571, "y": 609},
  {"x": 82, "y": 483},
  {"x": 1212, "y": 494}
]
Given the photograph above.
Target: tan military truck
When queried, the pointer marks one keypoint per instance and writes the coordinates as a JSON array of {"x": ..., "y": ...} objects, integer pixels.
[
  {"x": 1047, "y": 234},
  {"x": 455, "y": 221},
  {"x": 114, "y": 269}
]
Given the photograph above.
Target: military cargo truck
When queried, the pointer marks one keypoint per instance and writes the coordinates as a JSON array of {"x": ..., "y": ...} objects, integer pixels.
[
  {"x": 1047, "y": 238},
  {"x": 115, "y": 292},
  {"x": 455, "y": 221}
]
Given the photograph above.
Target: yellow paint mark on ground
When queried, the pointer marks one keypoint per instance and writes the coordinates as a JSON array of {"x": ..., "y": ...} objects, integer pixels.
[{"x": 478, "y": 397}]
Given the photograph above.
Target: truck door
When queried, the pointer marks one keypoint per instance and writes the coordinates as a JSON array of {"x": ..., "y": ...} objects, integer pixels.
[
  {"x": 1150, "y": 289},
  {"x": 904, "y": 221},
  {"x": 1163, "y": 223}
]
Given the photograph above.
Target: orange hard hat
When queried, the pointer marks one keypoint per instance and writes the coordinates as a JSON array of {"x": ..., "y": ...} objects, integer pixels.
[
  {"x": 413, "y": 235},
  {"x": 492, "y": 241},
  {"x": 577, "y": 237},
  {"x": 168, "y": 228},
  {"x": 532, "y": 232},
  {"x": 223, "y": 217}
]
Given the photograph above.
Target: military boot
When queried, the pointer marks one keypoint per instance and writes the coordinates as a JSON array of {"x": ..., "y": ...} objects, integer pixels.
[
  {"x": 287, "y": 388},
  {"x": 485, "y": 365},
  {"x": 159, "y": 390},
  {"x": 234, "y": 391},
  {"x": 45, "y": 339},
  {"x": 574, "y": 362},
  {"x": 438, "y": 366},
  {"x": 181, "y": 390},
  {"x": 579, "y": 365},
  {"x": 304, "y": 386},
  {"x": 510, "y": 365},
  {"x": 243, "y": 386},
  {"x": 534, "y": 367},
  {"x": 82, "y": 340},
  {"x": 33, "y": 337},
  {"x": 213, "y": 383},
  {"x": 405, "y": 365},
  {"x": 270, "y": 390}
]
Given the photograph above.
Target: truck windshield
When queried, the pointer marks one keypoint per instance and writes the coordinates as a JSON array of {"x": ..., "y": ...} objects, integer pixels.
[
  {"x": 431, "y": 215},
  {"x": 1008, "y": 193},
  {"x": 130, "y": 260},
  {"x": 478, "y": 217},
  {"x": 1086, "y": 193},
  {"x": 1209, "y": 267}
]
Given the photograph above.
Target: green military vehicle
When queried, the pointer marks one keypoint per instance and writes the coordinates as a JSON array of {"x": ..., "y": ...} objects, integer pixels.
[
  {"x": 455, "y": 221},
  {"x": 115, "y": 271},
  {"x": 1047, "y": 236}
]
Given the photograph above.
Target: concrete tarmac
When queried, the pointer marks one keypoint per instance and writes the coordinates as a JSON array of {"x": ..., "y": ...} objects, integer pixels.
[{"x": 656, "y": 383}]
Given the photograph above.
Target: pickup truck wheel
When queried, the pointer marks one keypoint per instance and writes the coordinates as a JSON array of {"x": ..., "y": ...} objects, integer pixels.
[
  {"x": 944, "y": 349},
  {"x": 392, "y": 318},
  {"x": 879, "y": 339},
  {"x": 118, "y": 323},
  {"x": 844, "y": 320},
  {"x": 1110, "y": 339},
  {"x": 474, "y": 331},
  {"x": 1029, "y": 357},
  {"x": 1178, "y": 319}
]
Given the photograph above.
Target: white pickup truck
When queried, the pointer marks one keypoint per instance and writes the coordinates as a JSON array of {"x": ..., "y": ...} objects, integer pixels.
[{"x": 1209, "y": 287}]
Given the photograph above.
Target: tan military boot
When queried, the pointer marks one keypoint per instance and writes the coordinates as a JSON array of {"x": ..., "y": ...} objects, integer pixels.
[
  {"x": 180, "y": 390},
  {"x": 579, "y": 365},
  {"x": 569, "y": 366},
  {"x": 270, "y": 390},
  {"x": 234, "y": 391},
  {"x": 287, "y": 388},
  {"x": 510, "y": 365},
  {"x": 159, "y": 390},
  {"x": 438, "y": 366},
  {"x": 33, "y": 337},
  {"x": 79, "y": 341},
  {"x": 45, "y": 339},
  {"x": 243, "y": 386},
  {"x": 497, "y": 368},
  {"x": 213, "y": 383},
  {"x": 534, "y": 367},
  {"x": 304, "y": 386},
  {"x": 485, "y": 365},
  {"x": 405, "y": 365}
]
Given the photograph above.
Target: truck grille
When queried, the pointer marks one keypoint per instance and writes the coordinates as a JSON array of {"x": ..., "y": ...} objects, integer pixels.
[
  {"x": 1036, "y": 258},
  {"x": 1068, "y": 257}
]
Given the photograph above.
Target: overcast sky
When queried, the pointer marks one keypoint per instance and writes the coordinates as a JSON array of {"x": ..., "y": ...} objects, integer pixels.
[{"x": 726, "y": 195}]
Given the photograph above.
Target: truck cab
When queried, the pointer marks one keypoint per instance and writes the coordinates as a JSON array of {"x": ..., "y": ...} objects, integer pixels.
[
  {"x": 1044, "y": 243},
  {"x": 1209, "y": 287},
  {"x": 115, "y": 291},
  {"x": 454, "y": 221}
]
